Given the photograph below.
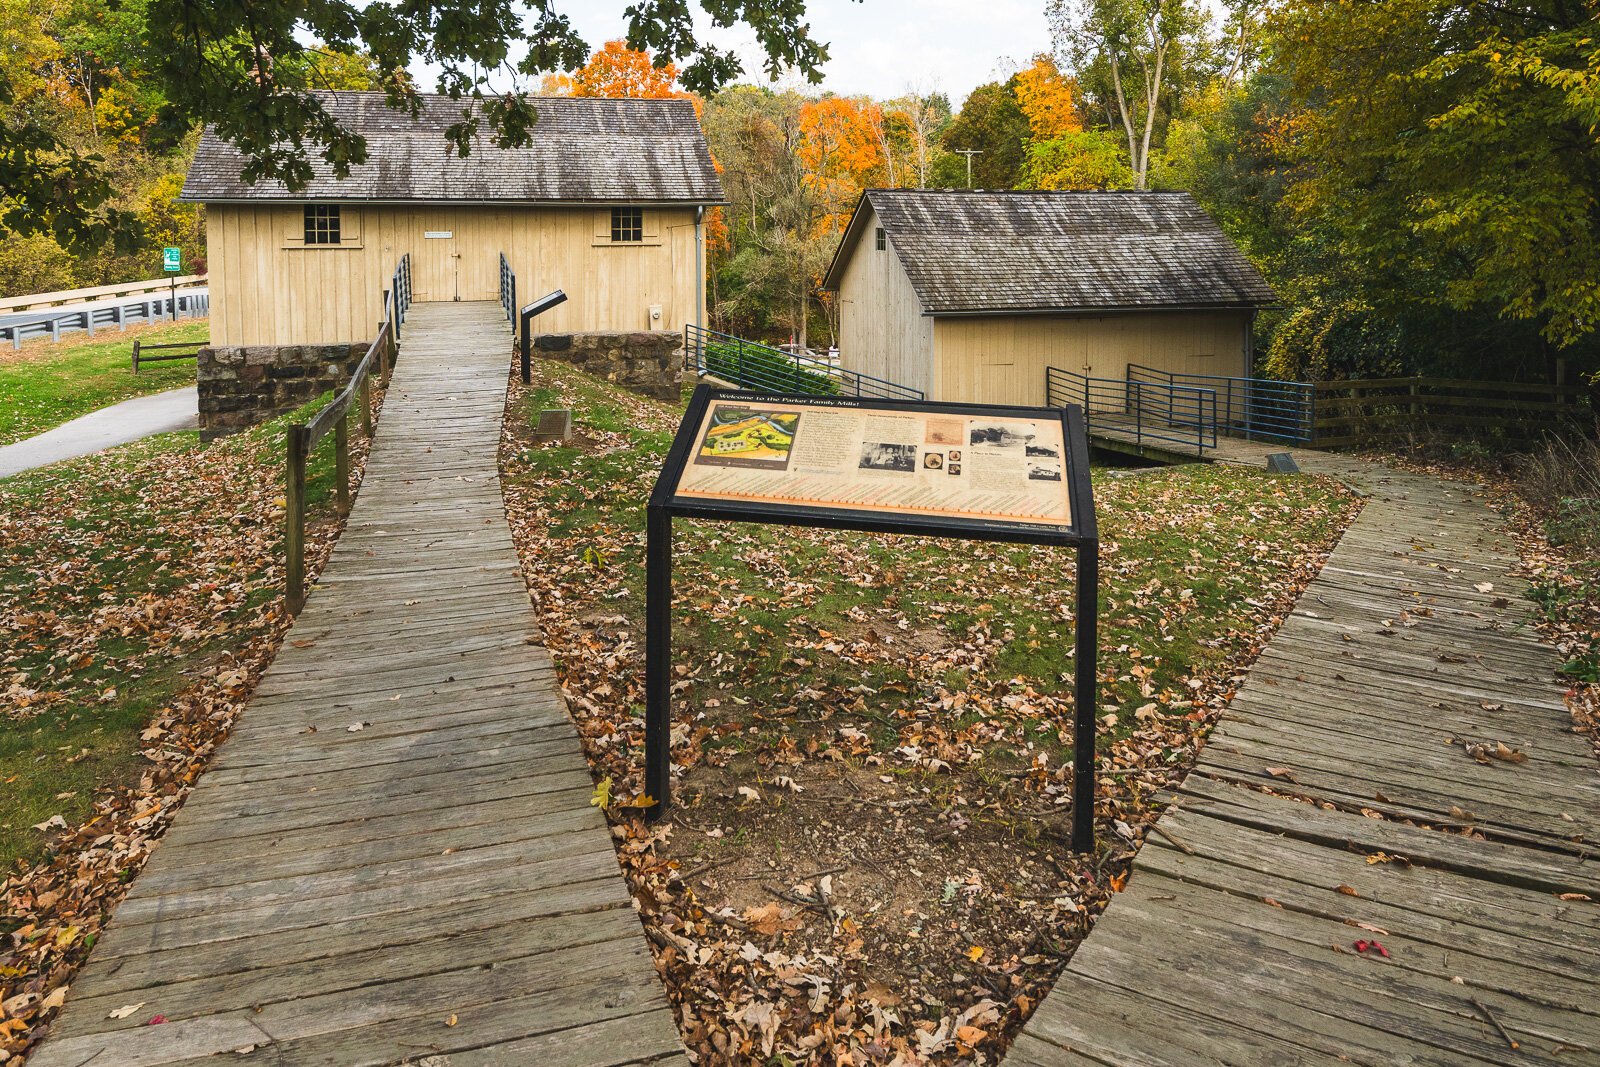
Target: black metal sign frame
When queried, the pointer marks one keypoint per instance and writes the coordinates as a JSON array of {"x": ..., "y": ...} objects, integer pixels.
[{"x": 1082, "y": 535}]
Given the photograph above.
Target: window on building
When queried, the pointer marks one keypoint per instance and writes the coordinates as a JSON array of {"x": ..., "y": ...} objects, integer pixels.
[
  {"x": 627, "y": 224},
  {"x": 322, "y": 224},
  {"x": 883, "y": 242}
]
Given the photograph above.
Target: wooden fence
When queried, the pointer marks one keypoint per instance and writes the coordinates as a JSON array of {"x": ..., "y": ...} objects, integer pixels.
[
  {"x": 140, "y": 348},
  {"x": 303, "y": 438},
  {"x": 1370, "y": 409}
]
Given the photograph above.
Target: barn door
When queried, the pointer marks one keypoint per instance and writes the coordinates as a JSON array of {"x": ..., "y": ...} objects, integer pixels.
[{"x": 436, "y": 275}]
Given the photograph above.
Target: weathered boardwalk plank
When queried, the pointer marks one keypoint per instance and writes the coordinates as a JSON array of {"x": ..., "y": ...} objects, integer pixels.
[
  {"x": 1332, "y": 805},
  {"x": 395, "y": 856}
]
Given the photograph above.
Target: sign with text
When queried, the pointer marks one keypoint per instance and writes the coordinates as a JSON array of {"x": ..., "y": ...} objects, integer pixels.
[
  {"x": 981, "y": 472},
  {"x": 954, "y": 465},
  {"x": 172, "y": 259}
]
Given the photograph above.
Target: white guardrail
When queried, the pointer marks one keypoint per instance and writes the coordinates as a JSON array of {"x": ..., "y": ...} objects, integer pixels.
[
  {"x": 148, "y": 307},
  {"x": 98, "y": 292}
]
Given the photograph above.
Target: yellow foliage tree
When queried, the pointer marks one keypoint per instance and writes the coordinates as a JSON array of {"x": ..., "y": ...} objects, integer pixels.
[
  {"x": 840, "y": 152},
  {"x": 1049, "y": 100}
]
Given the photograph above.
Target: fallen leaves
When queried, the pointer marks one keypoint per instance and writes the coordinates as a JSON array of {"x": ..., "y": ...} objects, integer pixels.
[
  {"x": 150, "y": 561},
  {"x": 866, "y": 862}
]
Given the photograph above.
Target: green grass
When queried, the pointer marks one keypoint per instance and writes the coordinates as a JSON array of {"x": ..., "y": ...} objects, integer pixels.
[
  {"x": 1186, "y": 551},
  {"x": 48, "y": 383},
  {"x": 125, "y": 577}
]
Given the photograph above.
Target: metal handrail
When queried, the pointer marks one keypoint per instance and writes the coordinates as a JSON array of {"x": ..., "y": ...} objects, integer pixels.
[
  {"x": 526, "y": 315},
  {"x": 508, "y": 293},
  {"x": 1253, "y": 407},
  {"x": 302, "y": 438},
  {"x": 1180, "y": 415},
  {"x": 751, "y": 365},
  {"x": 139, "y": 348}
]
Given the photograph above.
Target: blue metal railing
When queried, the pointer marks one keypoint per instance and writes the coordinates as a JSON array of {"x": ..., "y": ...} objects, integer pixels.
[
  {"x": 1249, "y": 407},
  {"x": 763, "y": 368},
  {"x": 1181, "y": 416}
]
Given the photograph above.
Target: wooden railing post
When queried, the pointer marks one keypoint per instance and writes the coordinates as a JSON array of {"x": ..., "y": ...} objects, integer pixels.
[
  {"x": 294, "y": 519},
  {"x": 366, "y": 402},
  {"x": 136, "y": 357},
  {"x": 341, "y": 462}
]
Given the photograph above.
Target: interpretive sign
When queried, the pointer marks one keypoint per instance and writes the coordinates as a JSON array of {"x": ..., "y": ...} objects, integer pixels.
[
  {"x": 890, "y": 461},
  {"x": 982, "y": 472}
]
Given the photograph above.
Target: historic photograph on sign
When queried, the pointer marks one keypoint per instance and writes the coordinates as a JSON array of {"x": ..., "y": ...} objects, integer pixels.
[
  {"x": 877, "y": 456},
  {"x": 742, "y": 436},
  {"x": 1002, "y": 434}
]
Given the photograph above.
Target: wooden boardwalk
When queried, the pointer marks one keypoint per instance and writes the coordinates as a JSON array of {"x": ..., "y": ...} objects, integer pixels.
[
  {"x": 394, "y": 859},
  {"x": 1327, "y": 810}
]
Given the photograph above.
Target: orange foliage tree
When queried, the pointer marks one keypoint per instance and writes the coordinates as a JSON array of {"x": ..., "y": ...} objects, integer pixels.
[
  {"x": 617, "y": 71},
  {"x": 1049, "y": 100},
  {"x": 841, "y": 153}
]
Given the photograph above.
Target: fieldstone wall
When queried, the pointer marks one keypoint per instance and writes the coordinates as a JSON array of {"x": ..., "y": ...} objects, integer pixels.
[
  {"x": 647, "y": 362},
  {"x": 241, "y": 385}
]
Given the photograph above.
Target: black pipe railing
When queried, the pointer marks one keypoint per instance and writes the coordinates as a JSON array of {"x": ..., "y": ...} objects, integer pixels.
[
  {"x": 1157, "y": 412},
  {"x": 750, "y": 365},
  {"x": 538, "y": 307},
  {"x": 508, "y": 292},
  {"x": 1249, "y": 407}
]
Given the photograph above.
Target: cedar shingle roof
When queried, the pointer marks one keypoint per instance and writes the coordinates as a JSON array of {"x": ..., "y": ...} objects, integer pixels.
[
  {"x": 972, "y": 251},
  {"x": 580, "y": 151}
]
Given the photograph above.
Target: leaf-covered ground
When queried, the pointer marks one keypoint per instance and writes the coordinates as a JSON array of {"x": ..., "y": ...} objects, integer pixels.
[
  {"x": 46, "y": 383},
  {"x": 140, "y": 599},
  {"x": 867, "y": 861}
]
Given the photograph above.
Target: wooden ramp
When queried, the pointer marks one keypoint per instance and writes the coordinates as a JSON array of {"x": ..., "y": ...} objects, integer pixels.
[
  {"x": 1235, "y": 939},
  {"x": 395, "y": 859}
]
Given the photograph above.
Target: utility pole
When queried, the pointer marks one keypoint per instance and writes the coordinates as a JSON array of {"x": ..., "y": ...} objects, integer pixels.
[{"x": 969, "y": 153}]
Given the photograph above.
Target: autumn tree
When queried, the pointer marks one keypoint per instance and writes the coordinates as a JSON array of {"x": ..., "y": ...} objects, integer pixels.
[
  {"x": 1452, "y": 149},
  {"x": 241, "y": 68},
  {"x": 617, "y": 71},
  {"x": 1132, "y": 55},
  {"x": 842, "y": 152},
  {"x": 919, "y": 119},
  {"x": 992, "y": 123},
  {"x": 1048, "y": 99}
]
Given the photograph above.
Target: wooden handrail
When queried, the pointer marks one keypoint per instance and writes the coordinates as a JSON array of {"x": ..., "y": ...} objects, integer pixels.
[{"x": 302, "y": 439}]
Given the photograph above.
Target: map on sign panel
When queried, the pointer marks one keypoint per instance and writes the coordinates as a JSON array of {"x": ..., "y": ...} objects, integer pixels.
[{"x": 998, "y": 468}]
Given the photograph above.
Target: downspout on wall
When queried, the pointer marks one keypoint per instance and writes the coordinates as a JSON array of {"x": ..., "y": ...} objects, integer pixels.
[{"x": 699, "y": 269}]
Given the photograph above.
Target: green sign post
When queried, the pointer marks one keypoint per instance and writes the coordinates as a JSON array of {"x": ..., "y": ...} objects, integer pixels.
[{"x": 172, "y": 262}]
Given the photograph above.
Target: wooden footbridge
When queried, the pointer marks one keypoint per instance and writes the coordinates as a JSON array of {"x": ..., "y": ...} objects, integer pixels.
[
  {"x": 1386, "y": 852},
  {"x": 395, "y": 859},
  {"x": 1383, "y": 856}
]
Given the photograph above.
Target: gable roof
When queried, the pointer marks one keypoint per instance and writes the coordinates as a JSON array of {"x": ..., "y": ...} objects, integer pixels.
[
  {"x": 975, "y": 252},
  {"x": 580, "y": 151}
]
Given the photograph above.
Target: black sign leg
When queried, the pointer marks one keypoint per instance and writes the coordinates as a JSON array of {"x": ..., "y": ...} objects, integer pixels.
[
  {"x": 1086, "y": 691},
  {"x": 658, "y": 662}
]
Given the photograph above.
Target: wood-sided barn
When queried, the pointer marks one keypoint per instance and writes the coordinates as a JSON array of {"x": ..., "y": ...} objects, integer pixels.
[
  {"x": 970, "y": 295},
  {"x": 606, "y": 202}
]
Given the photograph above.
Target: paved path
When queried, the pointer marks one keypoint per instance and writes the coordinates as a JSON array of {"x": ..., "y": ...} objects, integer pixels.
[
  {"x": 1234, "y": 941},
  {"x": 398, "y": 836},
  {"x": 131, "y": 420}
]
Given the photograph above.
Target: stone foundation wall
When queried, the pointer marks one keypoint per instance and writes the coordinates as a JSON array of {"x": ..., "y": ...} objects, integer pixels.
[
  {"x": 646, "y": 362},
  {"x": 241, "y": 385}
]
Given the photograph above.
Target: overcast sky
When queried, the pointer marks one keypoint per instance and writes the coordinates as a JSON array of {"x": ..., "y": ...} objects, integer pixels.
[{"x": 884, "y": 47}]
